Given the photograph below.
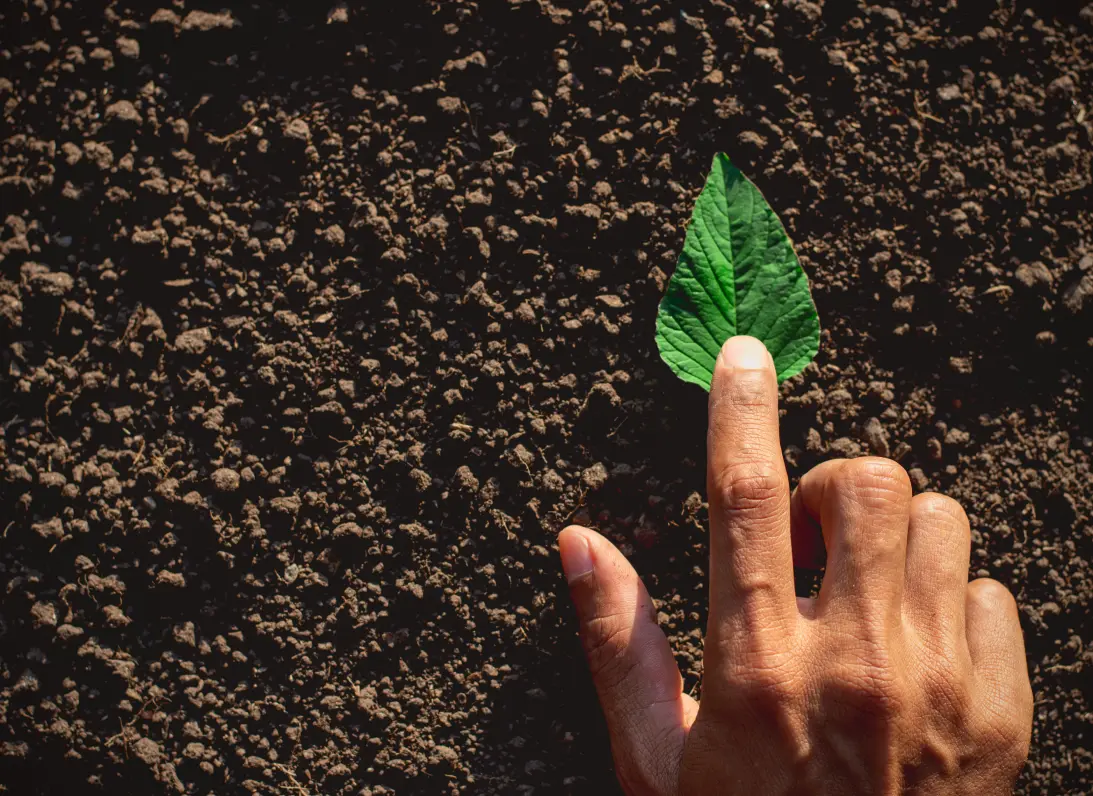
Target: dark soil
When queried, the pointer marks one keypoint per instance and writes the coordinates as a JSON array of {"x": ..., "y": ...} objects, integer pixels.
[{"x": 318, "y": 323}]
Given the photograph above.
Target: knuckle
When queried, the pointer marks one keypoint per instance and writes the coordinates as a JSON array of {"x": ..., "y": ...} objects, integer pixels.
[
  {"x": 875, "y": 482},
  {"x": 868, "y": 693},
  {"x": 606, "y": 640},
  {"x": 867, "y": 686},
  {"x": 947, "y": 697},
  {"x": 749, "y": 487},
  {"x": 766, "y": 681}
]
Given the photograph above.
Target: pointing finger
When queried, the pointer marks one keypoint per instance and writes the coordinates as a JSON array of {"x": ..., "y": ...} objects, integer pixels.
[{"x": 751, "y": 569}]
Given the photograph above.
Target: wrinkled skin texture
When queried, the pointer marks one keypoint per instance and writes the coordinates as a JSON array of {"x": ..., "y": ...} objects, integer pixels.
[{"x": 899, "y": 677}]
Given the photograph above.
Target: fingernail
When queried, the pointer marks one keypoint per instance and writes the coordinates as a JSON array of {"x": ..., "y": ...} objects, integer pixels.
[
  {"x": 576, "y": 556},
  {"x": 745, "y": 353}
]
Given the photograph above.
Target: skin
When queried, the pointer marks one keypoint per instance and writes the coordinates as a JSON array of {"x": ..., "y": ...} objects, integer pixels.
[{"x": 900, "y": 677}]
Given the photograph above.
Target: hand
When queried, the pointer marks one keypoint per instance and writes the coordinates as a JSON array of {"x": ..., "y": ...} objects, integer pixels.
[{"x": 900, "y": 677}]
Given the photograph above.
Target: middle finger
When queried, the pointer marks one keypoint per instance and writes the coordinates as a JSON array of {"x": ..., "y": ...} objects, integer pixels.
[{"x": 863, "y": 507}]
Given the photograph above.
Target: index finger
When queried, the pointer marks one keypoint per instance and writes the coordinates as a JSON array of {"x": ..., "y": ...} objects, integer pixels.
[{"x": 752, "y": 602}]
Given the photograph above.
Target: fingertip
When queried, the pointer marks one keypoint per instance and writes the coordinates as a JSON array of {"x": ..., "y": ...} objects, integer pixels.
[
  {"x": 745, "y": 352},
  {"x": 575, "y": 548},
  {"x": 743, "y": 374},
  {"x": 988, "y": 596}
]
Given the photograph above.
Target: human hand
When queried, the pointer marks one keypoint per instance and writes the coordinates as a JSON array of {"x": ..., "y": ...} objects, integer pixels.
[{"x": 899, "y": 677}]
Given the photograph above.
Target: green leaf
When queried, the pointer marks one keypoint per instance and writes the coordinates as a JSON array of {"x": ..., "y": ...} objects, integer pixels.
[{"x": 738, "y": 274}]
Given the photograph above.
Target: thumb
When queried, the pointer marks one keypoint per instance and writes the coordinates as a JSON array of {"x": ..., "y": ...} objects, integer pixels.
[{"x": 635, "y": 675}]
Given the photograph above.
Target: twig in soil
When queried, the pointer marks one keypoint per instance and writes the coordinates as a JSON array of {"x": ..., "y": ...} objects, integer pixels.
[
  {"x": 1065, "y": 667},
  {"x": 221, "y": 139},
  {"x": 504, "y": 525},
  {"x": 636, "y": 70},
  {"x": 578, "y": 507},
  {"x": 293, "y": 783},
  {"x": 506, "y": 151},
  {"x": 121, "y": 734},
  {"x": 619, "y": 426},
  {"x": 470, "y": 118},
  {"x": 669, "y": 130},
  {"x": 204, "y": 98},
  {"x": 920, "y": 103}
]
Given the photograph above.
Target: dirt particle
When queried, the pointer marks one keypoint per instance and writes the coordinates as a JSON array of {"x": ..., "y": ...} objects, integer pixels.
[
  {"x": 130, "y": 48},
  {"x": 1033, "y": 274},
  {"x": 465, "y": 479},
  {"x": 876, "y": 436},
  {"x": 297, "y": 129},
  {"x": 226, "y": 480},
  {"x": 124, "y": 110},
  {"x": 594, "y": 477},
  {"x": 167, "y": 578},
  {"x": 962, "y": 365},
  {"x": 194, "y": 341},
  {"x": 205, "y": 21},
  {"x": 40, "y": 279},
  {"x": 44, "y": 614},
  {"x": 1079, "y": 294}
]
